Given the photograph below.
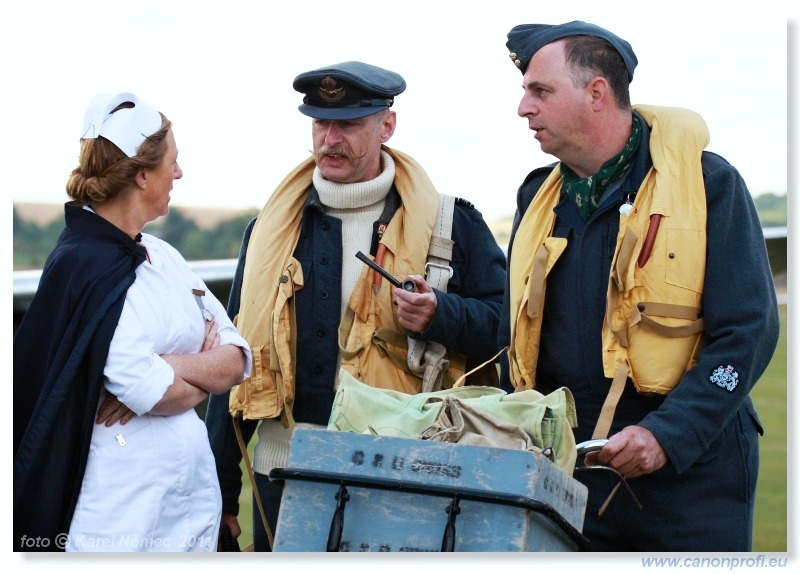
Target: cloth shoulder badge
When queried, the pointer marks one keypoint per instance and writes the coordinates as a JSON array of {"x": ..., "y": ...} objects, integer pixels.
[{"x": 725, "y": 377}]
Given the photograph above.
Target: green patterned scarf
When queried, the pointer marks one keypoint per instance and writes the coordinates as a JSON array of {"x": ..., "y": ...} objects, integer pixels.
[{"x": 586, "y": 191}]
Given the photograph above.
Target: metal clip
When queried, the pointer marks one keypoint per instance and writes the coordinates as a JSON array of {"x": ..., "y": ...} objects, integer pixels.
[
  {"x": 439, "y": 266},
  {"x": 207, "y": 316}
]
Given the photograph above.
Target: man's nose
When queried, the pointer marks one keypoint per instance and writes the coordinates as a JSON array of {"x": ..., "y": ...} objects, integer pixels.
[
  {"x": 333, "y": 134},
  {"x": 526, "y": 107}
]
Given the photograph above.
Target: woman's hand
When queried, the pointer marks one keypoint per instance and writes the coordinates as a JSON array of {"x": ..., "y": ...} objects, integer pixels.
[
  {"x": 112, "y": 411},
  {"x": 211, "y": 338}
]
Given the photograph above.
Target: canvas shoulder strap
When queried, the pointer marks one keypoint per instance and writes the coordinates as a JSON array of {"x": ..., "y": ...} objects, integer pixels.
[
  {"x": 437, "y": 269},
  {"x": 427, "y": 359}
]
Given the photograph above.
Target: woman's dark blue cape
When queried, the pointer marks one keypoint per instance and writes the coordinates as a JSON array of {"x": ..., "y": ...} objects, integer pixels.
[{"x": 60, "y": 351}]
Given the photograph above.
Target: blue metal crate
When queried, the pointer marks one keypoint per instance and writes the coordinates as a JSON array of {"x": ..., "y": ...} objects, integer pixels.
[{"x": 366, "y": 493}]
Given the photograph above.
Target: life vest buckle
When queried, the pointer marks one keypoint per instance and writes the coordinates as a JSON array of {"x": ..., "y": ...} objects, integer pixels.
[{"x": 446, "y": 268}]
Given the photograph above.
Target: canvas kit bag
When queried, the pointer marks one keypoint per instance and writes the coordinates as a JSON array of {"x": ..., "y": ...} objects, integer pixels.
[{"x": 485, "y": 416}]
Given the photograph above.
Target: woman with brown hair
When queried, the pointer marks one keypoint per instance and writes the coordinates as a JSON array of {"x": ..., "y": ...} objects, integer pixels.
[{"x": 120, "y": 343}]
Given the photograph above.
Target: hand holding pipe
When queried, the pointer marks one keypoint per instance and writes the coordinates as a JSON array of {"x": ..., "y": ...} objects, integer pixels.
[{"x": 407, "y": 285}]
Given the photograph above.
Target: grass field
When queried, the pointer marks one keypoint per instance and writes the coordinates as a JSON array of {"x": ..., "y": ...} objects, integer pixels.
[{"x": 770, "y": 397}]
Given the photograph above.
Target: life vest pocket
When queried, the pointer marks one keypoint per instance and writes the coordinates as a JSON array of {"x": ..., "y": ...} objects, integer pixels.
[
  {"x": 256, "y": 397},
  {"x": 684, "y": 265},
  {"x": 675, "y": 331}
]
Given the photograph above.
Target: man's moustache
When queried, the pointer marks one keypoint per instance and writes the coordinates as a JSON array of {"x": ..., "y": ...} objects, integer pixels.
[{"x": 326, "y": 150}]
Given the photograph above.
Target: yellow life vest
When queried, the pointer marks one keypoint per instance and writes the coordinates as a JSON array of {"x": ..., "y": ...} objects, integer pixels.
[
  {"x": 653, "y": 323},
  {"x": 372, "y": 344}
]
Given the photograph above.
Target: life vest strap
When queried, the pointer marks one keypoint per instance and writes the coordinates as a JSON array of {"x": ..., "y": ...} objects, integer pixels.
[{"x": 603, "y": 425}]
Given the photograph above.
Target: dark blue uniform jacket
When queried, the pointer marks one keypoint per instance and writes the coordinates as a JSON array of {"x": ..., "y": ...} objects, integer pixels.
[
  {"x": 739, "y": 304},
  {"x": 466, "y": 319}
]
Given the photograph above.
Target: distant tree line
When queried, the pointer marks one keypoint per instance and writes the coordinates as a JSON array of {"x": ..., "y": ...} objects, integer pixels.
[
  {"x": 772, "y": 209},
  {"x": 32, "y": 243}
]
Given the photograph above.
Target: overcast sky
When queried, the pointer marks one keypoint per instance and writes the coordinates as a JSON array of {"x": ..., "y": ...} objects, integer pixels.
[{"x": 223, "y": 71}]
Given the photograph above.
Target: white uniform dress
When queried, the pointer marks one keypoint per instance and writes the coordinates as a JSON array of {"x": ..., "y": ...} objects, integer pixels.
[{"x": 151, "y": 484}]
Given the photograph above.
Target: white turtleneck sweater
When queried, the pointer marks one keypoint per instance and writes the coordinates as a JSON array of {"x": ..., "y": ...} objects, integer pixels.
[{"x": 358, "y": 206}]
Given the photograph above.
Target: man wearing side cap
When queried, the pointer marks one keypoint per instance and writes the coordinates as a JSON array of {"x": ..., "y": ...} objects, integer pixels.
[
  {"x": 638, "y": 277},
  {"x": 298, "y": 265}
]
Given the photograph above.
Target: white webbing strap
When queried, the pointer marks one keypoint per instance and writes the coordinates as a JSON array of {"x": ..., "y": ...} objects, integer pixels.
[
  {"x": 427, "y": 359},
  {"x": 440, "y": 252}
]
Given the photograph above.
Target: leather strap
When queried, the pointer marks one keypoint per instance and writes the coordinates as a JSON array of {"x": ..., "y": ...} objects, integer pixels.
[
  {"x": 256, "y": 494},
  {"x": 463, "y": 378}
]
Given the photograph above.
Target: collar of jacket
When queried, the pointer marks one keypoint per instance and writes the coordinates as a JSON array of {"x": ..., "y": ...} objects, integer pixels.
[
  {"x": 393, "y": 202},
  {"x": 274, "y": 237},
  {"x": 529, "y": 267}
]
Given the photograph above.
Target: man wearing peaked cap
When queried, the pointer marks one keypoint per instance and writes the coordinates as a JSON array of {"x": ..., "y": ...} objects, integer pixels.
[
  {"x": 355, "y": 194},
  {"x": 629, "y": 242},
  {"x": 347, "y": 91}
]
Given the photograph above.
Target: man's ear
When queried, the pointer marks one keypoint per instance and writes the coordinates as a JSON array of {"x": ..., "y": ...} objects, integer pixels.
[
  {"x": 600, "y": 92},
  {"x": 389, "y": 123}
]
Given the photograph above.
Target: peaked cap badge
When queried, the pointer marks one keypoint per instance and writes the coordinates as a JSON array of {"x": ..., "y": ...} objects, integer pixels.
[{"x": 330, "y": 91}]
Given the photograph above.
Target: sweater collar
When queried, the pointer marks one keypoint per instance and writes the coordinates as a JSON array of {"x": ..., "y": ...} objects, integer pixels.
[{"x": 355, "y": 195}]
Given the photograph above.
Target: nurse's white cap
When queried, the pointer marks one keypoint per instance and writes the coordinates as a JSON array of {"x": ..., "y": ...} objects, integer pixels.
[{"x": 126, "y": 127}]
